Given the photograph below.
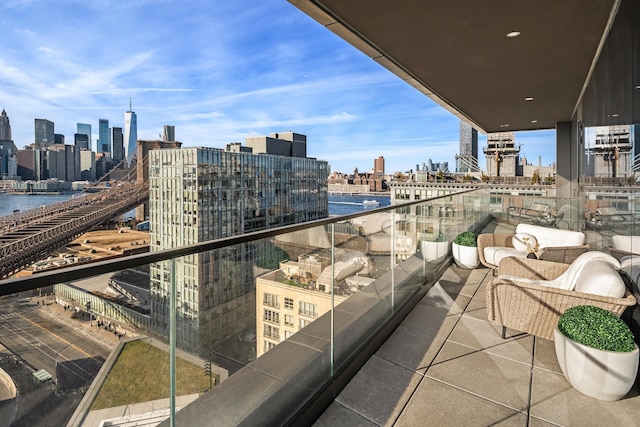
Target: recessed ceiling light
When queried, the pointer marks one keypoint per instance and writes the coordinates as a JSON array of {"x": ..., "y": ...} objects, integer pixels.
[
  {"x": 638, "y": 87},
  {"x": 615, "y": 115},
  {"x": 504, "y": 126},
  {"x": 513, "y": 34},
  {"x": 534, "y": 121},
  {"x": 529, "y": 98}
]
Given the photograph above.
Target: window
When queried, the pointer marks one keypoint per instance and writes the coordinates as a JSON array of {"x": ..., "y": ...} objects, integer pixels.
[
  {"x": 308, "y": 309},
  {"x": 268, "y": 345},
  {"x": 288, "y": 320},
  {"x": 271, "y": 300},
  {"x": 271, "y": 332},
  {"x": 288, "y": 303},
  {"x": 288, "y": 334},
  {"x": 271, "y": 316},
  {"x": 304, "y": 322}
]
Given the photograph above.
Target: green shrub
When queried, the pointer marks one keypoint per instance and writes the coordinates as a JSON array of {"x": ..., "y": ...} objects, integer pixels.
[
  {"x": 467, "y": 238},
  {"x": 596, "y": 327}
]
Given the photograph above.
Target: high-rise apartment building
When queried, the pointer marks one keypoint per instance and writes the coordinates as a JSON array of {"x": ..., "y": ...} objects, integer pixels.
[
  {"x": 44, "y": 133},
  {"x": 502, "y": 154},
  {"x": 118, "y": 146},
  {"x": 467, "y": 160},
  {"x": 199, "y": 194},
  {"x": 58, "y": 138},
  {"x": 84, "y": 129},
  {"x": 378, "y": 166},
  {"x": 131, "y": 133},
  {"x": 169, "y": 133},
  {"x": 104, "y": 137}
]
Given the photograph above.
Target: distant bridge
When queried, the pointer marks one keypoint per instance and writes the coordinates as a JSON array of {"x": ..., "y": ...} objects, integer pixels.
[{"x": 26, "y": 237}]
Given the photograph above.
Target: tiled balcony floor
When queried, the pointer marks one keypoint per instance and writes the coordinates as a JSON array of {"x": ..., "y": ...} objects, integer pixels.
[{"x": 447, "y": 365}]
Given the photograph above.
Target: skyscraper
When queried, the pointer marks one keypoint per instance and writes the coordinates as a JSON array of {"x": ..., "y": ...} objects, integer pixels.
[
  {"x": 467, "y": 160},
  {"x": 44, "y": 134},
  {"x": 84, "y": 129},
  {"x": 118, "y": 147},
  {"x": 8, "y": 151},
  {"x": 222, "y": 193},
  {"x": 104, "y": 135},
  {"x": 5, "y": 127},
  {"x": 130, "y": 133},
  {"x": 169, "y": 133}
]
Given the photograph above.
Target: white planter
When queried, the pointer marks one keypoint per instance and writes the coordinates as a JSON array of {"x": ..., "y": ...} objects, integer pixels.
[
  {"x": 434, "y": 251},
  {"x": 604, "y": 375},
  {"x": 465, "y": 256}
]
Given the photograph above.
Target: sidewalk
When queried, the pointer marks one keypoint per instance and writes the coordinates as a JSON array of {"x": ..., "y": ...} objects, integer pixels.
[{"x": 89, "y": 329}]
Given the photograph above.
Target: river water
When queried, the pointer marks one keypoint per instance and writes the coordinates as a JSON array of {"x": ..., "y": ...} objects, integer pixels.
[{"x": 338, "y": 205}]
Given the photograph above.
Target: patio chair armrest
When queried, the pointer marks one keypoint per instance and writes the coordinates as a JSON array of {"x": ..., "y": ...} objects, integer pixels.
[
  {"x": 618, "y": 253},
  {"x": 528, "y": 268},
  {"x": 535, "y": 309},
  {"x": 490, "y": 239},
  {"x": 562, "y": 254}
]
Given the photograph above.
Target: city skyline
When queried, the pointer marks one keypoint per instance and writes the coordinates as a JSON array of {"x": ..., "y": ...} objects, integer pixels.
[{"x": 193, "y": 67}]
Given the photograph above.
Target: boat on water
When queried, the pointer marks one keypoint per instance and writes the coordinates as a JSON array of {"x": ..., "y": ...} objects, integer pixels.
[{"x": 371, "y": 203}]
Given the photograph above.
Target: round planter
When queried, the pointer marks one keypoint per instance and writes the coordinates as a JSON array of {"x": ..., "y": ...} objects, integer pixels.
[
  {"x": 465, "y": 256},
  {"x": 434, "y": 251},
  {"x": 604, "y": 375}
]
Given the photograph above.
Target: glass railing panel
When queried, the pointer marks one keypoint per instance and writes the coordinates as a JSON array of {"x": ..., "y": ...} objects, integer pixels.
[
  {"x": 282, "y": 314},
  {"x": 612, "y": 217}
]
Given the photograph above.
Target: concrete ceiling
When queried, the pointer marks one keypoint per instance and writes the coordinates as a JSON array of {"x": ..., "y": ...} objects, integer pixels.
[{"x": 457, "y": 52}]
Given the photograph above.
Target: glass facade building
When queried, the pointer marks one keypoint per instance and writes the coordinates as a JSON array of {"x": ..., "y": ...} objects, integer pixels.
[
  {"x": 200, "y": 194},
  {"x": 130, "y": 134}
]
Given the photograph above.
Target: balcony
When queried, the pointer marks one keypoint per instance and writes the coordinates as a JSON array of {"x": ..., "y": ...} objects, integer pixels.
[{"x": 402, "y": 337}]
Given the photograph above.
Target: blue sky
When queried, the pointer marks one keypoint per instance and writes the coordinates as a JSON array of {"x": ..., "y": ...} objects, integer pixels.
[{"x": 218, "y": 71}]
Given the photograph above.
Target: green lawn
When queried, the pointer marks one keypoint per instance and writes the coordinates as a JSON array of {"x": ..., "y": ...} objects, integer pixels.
[{"x": 141, "y": 374}]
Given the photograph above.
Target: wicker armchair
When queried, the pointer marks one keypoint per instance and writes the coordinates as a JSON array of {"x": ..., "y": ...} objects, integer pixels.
[
  {"x": 534, "y": 308},
  {"x": 562, "y": 254}
]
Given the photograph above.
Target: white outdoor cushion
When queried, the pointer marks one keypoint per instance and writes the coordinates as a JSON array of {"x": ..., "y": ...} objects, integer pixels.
[
  {"x": 524, "y": 241},
  {"x": 629, "y": 244},
  {"x": 552, "y": 237},
  {"x": 494, "y": 254},
  {"x": 598, "y": 277},
  {"x": 571, "y": 276}
]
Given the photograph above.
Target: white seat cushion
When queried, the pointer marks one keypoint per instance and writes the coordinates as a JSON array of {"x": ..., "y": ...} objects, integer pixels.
[{"x": 494, "y": 254}]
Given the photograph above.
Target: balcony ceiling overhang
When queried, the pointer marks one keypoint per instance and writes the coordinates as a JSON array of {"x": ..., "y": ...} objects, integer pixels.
[{"x": 458, "y": 53}]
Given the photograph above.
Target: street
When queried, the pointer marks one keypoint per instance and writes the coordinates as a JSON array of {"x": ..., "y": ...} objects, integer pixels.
[{"x": 35, "y": 337}]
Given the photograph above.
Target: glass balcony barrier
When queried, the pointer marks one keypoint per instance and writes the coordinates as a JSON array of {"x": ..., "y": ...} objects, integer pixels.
[{"x": 281, "y": 316}]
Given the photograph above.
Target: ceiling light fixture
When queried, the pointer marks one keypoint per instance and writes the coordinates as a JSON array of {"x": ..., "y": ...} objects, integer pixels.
[
  {"x": 504, "y": 126},
  {"x": 534, "y": 121},
  {"x": 529, "y": 98},
  {"x": 615, "y": 115},
  {"x": 513, "y": 34},
  {"x": 638, "y": 87}
]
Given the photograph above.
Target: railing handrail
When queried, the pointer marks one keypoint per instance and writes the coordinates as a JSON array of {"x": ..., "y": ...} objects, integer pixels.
[{"x": 39, "y": 280}]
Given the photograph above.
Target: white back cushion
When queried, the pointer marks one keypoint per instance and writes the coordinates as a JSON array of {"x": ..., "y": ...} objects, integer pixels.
[
  {"x": 600, "y": 278},
  {"x": 627, "y": 243},
  {"x": 552, "y": 237},
  {"x": 573, "y": 273},
  {"x": 524, "y": 241}
]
